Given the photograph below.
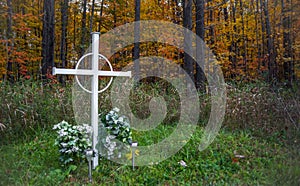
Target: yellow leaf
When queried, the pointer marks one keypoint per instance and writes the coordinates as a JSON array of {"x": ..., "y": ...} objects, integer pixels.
[{"x": 129, "y": 155}]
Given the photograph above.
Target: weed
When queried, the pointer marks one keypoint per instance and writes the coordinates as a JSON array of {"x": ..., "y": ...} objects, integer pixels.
[
  {"x": 258, "y": 144},
  {"x": 28, "y": 106}
]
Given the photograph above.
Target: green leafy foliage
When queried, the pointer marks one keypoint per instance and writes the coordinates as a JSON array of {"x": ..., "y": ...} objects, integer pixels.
[
  {"x": 114, "y": 130},
  {"x": 72, "y": 141},
  {"x": 117, "y": 126}
]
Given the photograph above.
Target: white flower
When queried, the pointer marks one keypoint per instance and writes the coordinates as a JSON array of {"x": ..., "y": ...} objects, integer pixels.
[
  {"x": 57, "y": 126},
  {"x": 109, "y": 137},
  {"x": 63, "y": 144},
  {"x": 75, "y": 149},
  {"x": 116, "y": 109},
  {"x": 62, "y": 150},
  {"x": 89, "y": 129},
  {"x": 107, "y": 140},
  {"x": 182, "y": 163},
  {"x": 113, "y": 144},
  {"x": 62, "y": 133},
  {"x": 121, "y": 119}
]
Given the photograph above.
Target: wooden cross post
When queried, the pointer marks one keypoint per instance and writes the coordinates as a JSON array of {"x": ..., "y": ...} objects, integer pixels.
[{"x": 95, "y": 73}]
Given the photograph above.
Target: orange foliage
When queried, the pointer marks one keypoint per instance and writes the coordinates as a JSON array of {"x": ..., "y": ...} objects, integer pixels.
[{"x": 236, "y": 38}]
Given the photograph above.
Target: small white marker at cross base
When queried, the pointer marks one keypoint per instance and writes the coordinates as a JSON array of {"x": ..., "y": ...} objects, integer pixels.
[
  {"x": 133, "y": 147},
  {"x": 95, "y": 73}
]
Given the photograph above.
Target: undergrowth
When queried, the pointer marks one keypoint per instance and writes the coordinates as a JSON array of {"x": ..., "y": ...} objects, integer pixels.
[
  {"x": 257, "y": 145},
  {"x": 27, "y": 107}
]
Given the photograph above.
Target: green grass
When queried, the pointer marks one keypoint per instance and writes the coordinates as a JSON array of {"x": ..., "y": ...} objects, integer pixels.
[
  {"x": 265, "y": 162},
  {"x": 256, "y": 127},
  {"x": 29, "y": 162}
]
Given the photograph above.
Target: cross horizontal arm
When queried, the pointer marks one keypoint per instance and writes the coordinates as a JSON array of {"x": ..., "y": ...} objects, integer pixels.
[
  {"x": 113, "y": 73},
  {"x": 88, "y": 72},
  {"x": 71, "y": 71}
]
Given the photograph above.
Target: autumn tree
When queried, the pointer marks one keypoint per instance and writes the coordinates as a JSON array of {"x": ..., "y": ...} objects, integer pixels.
[{"x": 251, "y": 39}]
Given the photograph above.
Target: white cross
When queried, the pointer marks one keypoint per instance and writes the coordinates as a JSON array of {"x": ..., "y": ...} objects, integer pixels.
[{"x": 95, "y": 73}]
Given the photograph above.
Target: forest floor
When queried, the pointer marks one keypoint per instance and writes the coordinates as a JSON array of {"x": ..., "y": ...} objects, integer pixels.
[{"x": 261, "y": 151}]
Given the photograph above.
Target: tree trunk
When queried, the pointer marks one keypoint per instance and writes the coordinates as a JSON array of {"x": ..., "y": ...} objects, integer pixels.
[
  {"x": 187, "y": 23},
  {"x": 48, "y": 38},
  {"x": 200, "y": 54},
  {"x": 270, "y": 45},
  {"x": 257, "y": 39},
  {"x": 287, "y": 43},
  {"x": 232, "y": 47},
  {"x": 293, "y": 20},
  {"x": 92, "y": 16},
  {"x": 226, "y": 17},
  {"x": 115, "y": 15},
  {"x": 83, "y": 29},
  {"x": 63, "y": 43},
  {"x": 176, "y": 13},
  {"x": 74, "y": 30},
  {"x": 100, "y": 19},
  {"x": 263, "y": 30},
  {"x": 136, "y": 49},
  {"x": 211, "y": 27},
  {"x": 9, "y": 74},
  {"x": 228, "y": 35},
  {"x": 244, "y": 53}
]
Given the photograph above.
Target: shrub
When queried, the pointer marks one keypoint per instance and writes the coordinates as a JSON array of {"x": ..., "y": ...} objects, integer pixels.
[
  {"x": 115, "y": 133},
  {"x": 72, "y": 141}
]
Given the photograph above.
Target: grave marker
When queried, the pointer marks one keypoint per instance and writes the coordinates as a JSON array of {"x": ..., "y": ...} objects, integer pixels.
[{"x": 95, "y": 73}]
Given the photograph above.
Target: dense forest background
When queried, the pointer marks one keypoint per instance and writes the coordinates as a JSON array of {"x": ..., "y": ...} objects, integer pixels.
[{"x": 252, "y": 39}]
